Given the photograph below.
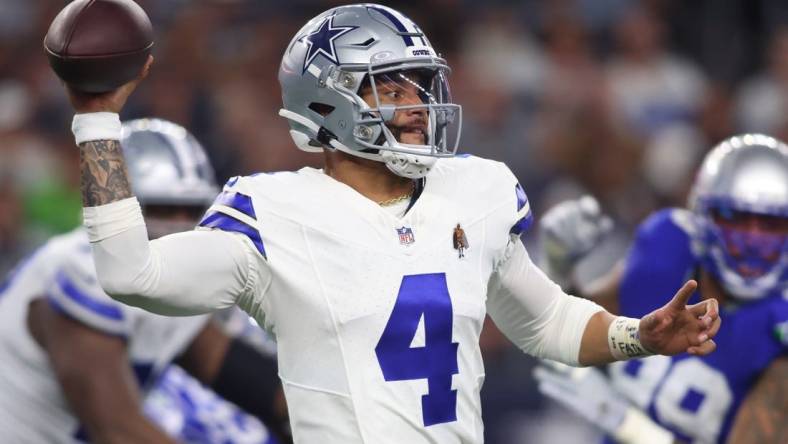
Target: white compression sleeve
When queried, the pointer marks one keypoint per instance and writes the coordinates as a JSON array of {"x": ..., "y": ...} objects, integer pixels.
[
  {"x": 181, "y": 274},
  {"x": 533, "y": 312}
]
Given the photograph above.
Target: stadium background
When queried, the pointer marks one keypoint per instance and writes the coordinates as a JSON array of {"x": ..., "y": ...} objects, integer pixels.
[{"x": 616, "y": 98}]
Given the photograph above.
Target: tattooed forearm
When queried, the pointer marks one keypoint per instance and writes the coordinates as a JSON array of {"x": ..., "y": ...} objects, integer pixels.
[
  {"x": 104, "y": 175},
  {"x": 763, "y": 417}
]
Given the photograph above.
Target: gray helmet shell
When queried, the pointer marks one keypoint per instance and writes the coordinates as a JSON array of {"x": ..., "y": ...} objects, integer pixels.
[
  {"x": 746, "y": 173},
  {"x": 749, "y": 170},
  {"x": 167, "y": 165},
  {"x": 330, "y": 58}
]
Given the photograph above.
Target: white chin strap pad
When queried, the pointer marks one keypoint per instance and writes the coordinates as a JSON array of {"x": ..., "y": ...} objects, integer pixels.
[{"x": 411, "y": 166}]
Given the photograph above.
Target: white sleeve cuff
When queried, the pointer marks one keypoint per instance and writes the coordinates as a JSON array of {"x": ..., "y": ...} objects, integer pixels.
[
  {"x": 112, "y": 219},
  {"x": 96, "y": 126},
  {"x": 564, "y": 332}
]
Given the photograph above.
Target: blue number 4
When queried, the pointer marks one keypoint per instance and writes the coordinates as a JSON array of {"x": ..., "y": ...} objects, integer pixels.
[{"x": 423, "y": 295}]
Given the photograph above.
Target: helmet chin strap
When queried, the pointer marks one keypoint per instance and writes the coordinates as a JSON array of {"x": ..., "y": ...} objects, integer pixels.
[{"x": 411, "y": 166}]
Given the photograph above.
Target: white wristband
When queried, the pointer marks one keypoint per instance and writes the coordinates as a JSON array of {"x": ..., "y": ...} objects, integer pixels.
[
  {"x": 637, "y": 428},
  {"x": 96, "y": 126},
  {"x": 623, "y": 337}
]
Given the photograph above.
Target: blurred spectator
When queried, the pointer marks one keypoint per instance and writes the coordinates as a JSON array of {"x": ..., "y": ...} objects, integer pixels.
[
  {"x": 670, "y": 161},
  {"x": 11, "y": 223},
  {"x": 497, "y": 90},
  {"x": 650, "y": 86},
  {"x": 762, "y": 103}
]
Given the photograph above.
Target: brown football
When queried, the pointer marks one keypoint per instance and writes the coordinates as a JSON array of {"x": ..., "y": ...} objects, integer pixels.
[{"x": 98, "y": 45}]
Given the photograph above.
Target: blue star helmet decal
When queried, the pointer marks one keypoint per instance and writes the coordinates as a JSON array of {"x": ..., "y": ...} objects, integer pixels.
[{"x": 321, "y": 41}]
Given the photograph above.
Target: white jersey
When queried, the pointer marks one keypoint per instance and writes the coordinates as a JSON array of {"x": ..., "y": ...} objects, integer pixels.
[
  {"x": 32, "y": 407},
  {"x": 377, "y": 317}
]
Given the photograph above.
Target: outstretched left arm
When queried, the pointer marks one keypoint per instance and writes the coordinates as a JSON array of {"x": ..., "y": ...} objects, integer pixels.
[
  {"x": 763, "y": 417},
  {"x": 535, "y": 314}
]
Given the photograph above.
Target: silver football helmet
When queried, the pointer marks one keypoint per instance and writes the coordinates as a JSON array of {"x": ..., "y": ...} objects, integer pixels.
[
  {"x": 741, "y": 197},
  {"x": 168, "y": 169},
  {"x": 367, "y": 51},
  {"x": 167, "y": 165}
]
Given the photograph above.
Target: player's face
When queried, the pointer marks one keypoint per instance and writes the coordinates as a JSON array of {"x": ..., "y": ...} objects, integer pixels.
[
  {"x": 754, "y": 241},
  {"x": 162, "y": 220},
  {"x": 402, "y": 89}
]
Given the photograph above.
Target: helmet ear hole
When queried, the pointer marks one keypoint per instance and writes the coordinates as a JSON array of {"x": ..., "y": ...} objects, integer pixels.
[{"x": 321, "y": 108}]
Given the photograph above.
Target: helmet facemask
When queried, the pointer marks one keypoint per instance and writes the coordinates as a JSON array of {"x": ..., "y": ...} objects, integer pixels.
[
  {"x": 407, "y": 111},
  {"x": 746, "y": 250},
  {"x": 404, "y": 117}
]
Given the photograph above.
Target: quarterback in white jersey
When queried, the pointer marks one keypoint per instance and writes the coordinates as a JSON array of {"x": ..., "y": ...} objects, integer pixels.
[
  {"x": 76, "y": 363},
  {"x": 374, "y": 273}
]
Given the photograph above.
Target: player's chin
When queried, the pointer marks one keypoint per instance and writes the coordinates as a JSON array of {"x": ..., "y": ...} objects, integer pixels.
[{"x": 412, "y": 138}]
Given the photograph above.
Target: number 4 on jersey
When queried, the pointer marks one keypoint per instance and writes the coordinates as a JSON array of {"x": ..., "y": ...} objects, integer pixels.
[{"x": 424, "y": 295}]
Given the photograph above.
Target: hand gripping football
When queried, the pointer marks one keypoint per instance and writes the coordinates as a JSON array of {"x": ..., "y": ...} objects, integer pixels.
[{"x": 96, "y": 46}]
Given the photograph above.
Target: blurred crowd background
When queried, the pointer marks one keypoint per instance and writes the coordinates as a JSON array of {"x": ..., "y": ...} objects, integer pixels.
[{"x": 617, "y": 98}]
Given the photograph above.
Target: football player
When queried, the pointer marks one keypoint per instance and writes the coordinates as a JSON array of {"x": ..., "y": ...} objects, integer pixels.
[
  {"x": 75, "y": 362},
  {"x": 734, "y": 241},
  {"x": 353, "y": 267}
]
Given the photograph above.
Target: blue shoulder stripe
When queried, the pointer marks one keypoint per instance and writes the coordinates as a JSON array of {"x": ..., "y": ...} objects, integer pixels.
[
  {"x": 113, "y": 328},
  {"x": 238, "y": 201},
  {"x": 232, "y": 181},
  {"x": 526, "y": 221},
  {"x": 224, "y": 222},
  {"x": 106, "y": 310},
  {"x": 522, "y": 225},
  {"x": 522, "y": 199}
]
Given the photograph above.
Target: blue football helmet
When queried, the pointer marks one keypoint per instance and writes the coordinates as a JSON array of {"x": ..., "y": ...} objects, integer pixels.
[
  {"x": 741, "y": 199},
  {"x": 340, "y": 75}
]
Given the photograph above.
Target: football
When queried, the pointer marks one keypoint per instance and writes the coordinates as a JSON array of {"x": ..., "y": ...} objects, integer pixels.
[{"x": 96, "y": 46}]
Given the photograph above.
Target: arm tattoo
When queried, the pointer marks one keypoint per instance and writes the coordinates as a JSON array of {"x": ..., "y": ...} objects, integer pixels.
[
  {"x": 763, "y": 417},
  {"x": 104, "y": 175}
]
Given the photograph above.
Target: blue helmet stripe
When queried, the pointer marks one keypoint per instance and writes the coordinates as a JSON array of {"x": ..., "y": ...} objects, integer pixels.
[
  {"x": 228, "y": 223},
  {"x": 102, "y": 309},
  {"x": 395, "y": 21},
  {"x": 238, "y": 201}
]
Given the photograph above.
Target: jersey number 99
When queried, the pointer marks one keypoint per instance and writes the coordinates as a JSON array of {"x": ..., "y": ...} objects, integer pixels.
[{"x": 688, "y": 395}]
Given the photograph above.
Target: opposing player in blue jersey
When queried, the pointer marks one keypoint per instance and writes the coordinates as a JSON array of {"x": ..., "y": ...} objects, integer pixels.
[
  {"x": 76, "y": 364},
  {"x": 734, "y": 241},
  {"x": 374, "y": 273}
]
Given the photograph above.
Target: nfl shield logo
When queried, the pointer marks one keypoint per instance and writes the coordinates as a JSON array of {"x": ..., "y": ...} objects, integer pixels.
[{"x": 405, "y": 235}]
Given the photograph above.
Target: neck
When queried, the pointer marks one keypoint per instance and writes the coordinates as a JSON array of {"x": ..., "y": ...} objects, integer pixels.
[{"x": 370, "y": 178}]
